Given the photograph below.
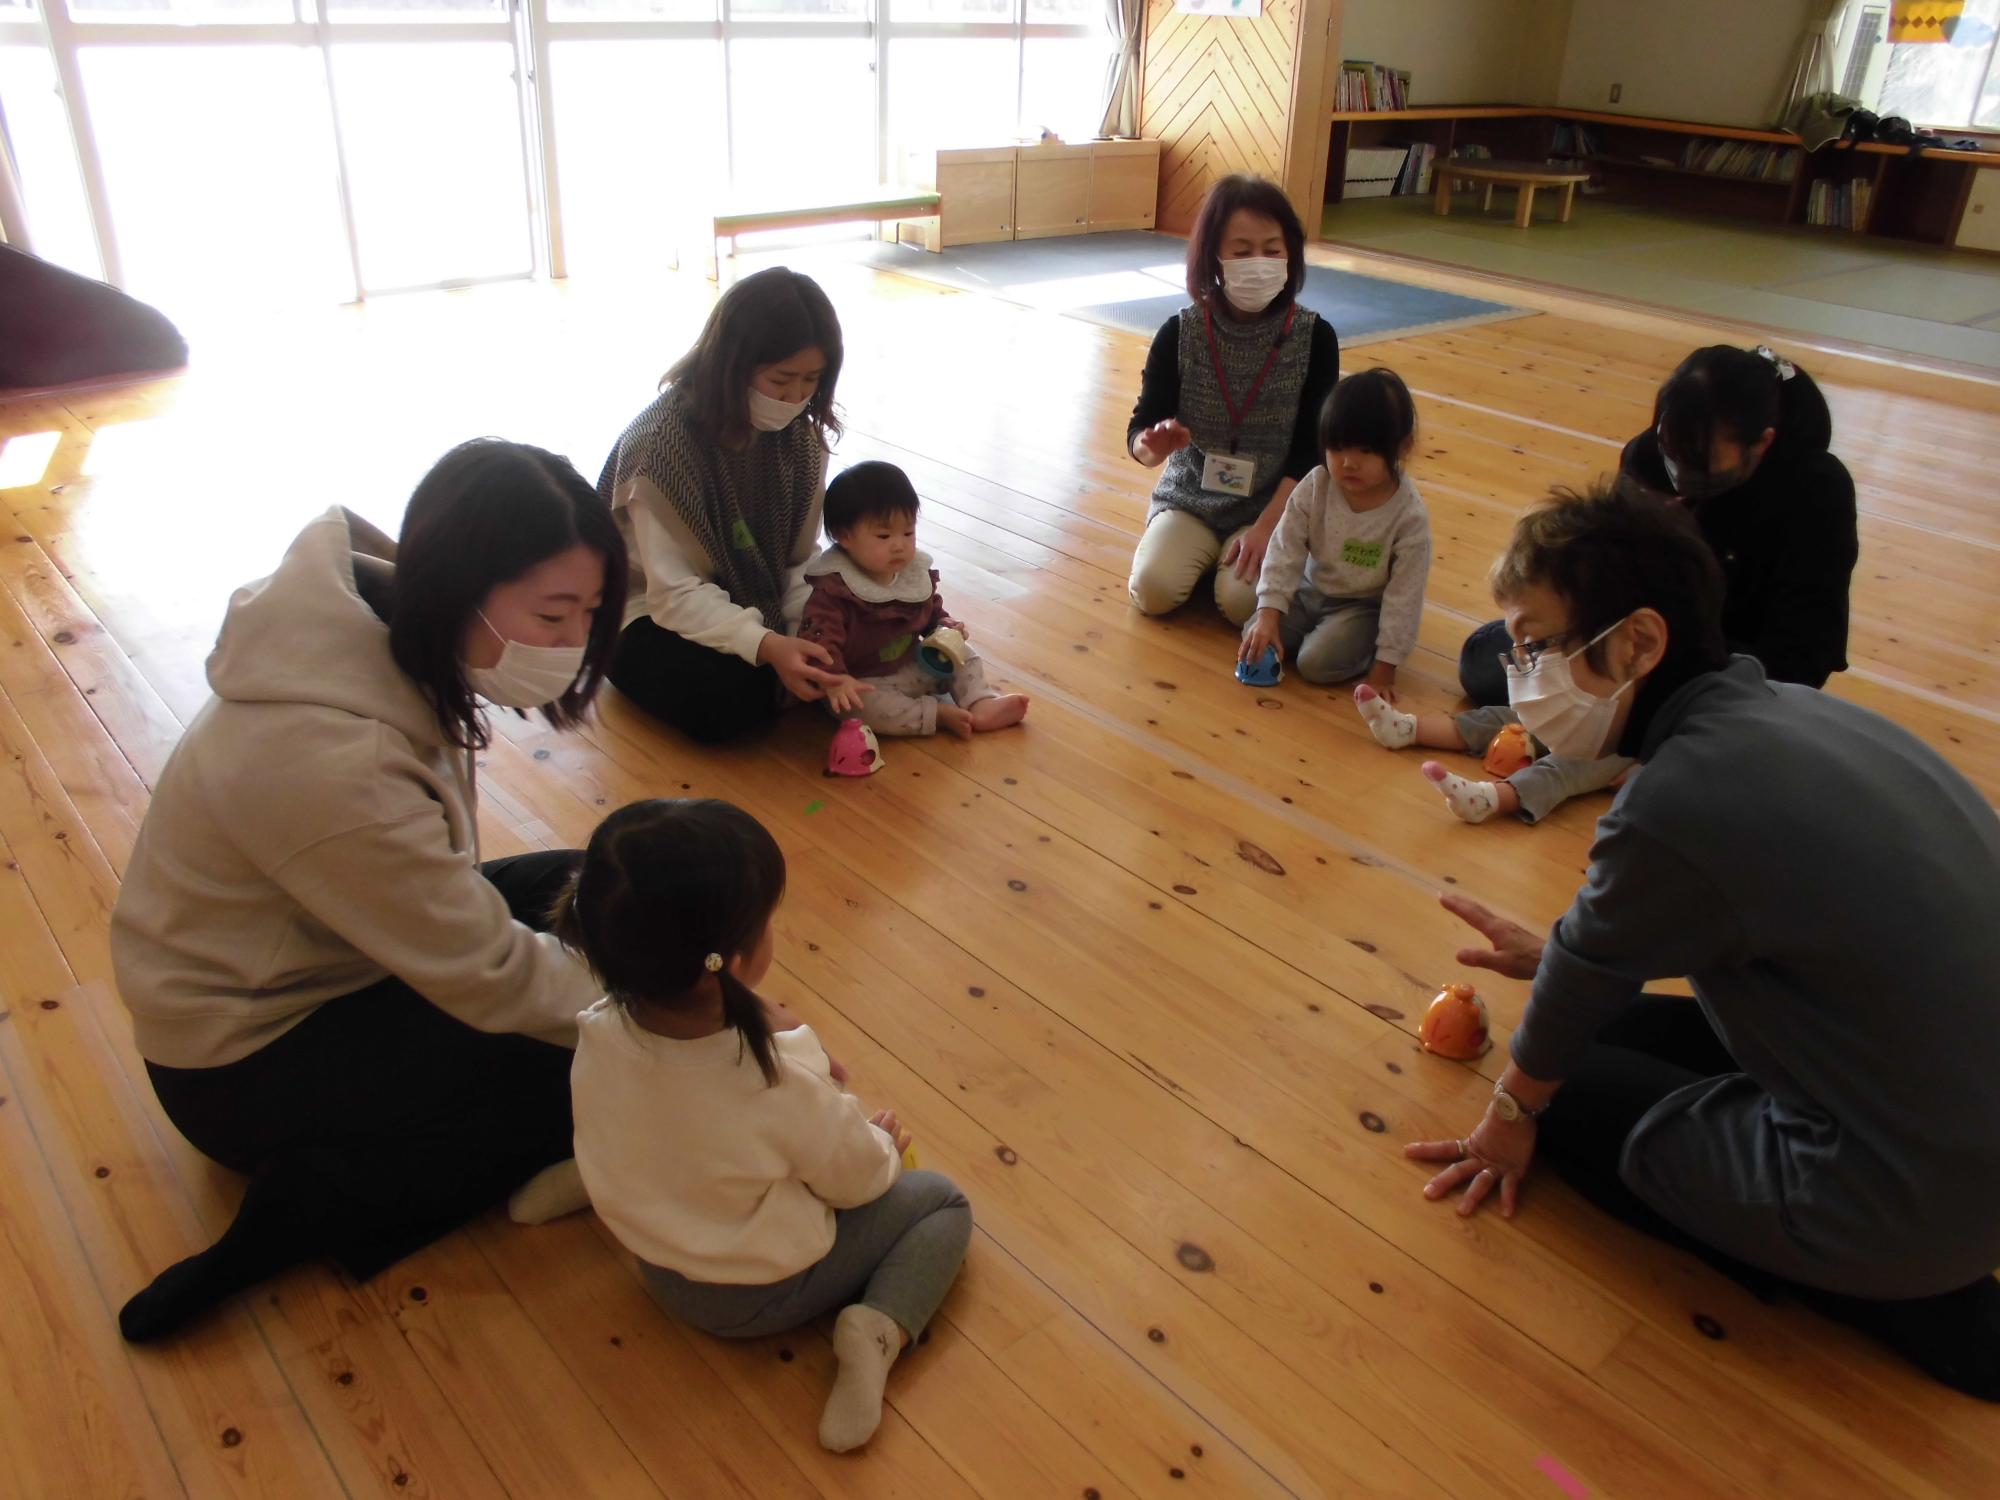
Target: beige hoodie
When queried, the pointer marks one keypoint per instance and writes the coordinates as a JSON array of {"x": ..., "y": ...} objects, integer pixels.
[{"x": 314, "y": 833}]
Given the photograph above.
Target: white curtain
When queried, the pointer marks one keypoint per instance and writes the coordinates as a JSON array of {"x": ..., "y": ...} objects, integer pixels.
[
  {"x": 1814, "y": 70},
  {"x": 1124, "y": 18}
]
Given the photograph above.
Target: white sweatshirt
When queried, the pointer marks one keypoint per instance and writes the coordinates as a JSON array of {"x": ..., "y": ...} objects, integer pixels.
[
  {"x": 697, "y": 1165},
  {"x": 1382, "y": 554}
]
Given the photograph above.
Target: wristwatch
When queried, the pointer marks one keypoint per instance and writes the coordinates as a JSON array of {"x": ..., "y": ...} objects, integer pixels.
[{"x": 1510, "y": 1109}]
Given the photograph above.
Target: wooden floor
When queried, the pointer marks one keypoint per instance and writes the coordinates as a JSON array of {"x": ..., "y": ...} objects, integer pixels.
[{"x": 1142, "y": 976}]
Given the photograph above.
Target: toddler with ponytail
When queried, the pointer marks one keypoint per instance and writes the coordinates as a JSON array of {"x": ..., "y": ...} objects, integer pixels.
[{"x": 711, "y": 1133}]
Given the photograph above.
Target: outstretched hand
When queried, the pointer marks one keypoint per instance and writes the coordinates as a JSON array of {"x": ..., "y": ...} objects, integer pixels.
[
  {"x": 1495, "y": 1155},
  {"x": 1512, "y": 950}
]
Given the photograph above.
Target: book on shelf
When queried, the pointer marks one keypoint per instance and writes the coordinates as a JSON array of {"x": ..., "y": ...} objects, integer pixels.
[
  {"x": 1840, "y": 205},
  {"x": 1371, "y": 86},
  {"x": 1761, "y": 162},
  {"x": 1416, "y": 174}
]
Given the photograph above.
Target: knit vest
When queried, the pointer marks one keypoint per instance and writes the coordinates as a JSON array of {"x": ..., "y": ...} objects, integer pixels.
[{"x": 1266, "y": 433}]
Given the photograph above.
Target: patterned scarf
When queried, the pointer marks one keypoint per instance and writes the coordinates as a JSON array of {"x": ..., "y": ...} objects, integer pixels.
[{"x": 745, "y": 507}]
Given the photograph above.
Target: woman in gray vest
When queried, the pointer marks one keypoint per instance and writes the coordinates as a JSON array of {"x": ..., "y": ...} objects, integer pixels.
[
  {"x": 1229, "y": 405},
  {"x": 1822, "y": 1118},
  {"x": 717, "y": 488}
]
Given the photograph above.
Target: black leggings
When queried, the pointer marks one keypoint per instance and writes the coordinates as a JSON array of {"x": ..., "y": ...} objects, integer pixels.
[
  {"x": 709, "y": 696},
  {"x": 1663, "y": 1043},
  {"x": 373, "y": 1127},
  {"x": 1479, "y": 669}
]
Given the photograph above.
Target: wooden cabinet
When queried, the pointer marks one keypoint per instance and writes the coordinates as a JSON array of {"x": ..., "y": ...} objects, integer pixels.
[
  {"x": 1051, "y": 191},
  {"x": 1979, "y": 228},
  {"x": 1124, "y": 184},
  {"x": 1033, "y": 192},
  {"x": 975, "y": 191}
]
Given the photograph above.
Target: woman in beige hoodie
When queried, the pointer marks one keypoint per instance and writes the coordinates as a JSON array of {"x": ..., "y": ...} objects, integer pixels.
[{"x": 331, "y": 992}]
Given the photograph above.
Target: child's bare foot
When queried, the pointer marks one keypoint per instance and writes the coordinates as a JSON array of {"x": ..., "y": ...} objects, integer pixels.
[
  {"x": 1473, "y": 801},
  {"x": 954, "y": 720},
  {"x": 999, "y": 713},
  {"x": 1393, "y": 729}
]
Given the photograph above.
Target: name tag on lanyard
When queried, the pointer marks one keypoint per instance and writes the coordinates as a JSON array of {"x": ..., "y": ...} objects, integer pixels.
[
  {"x": 1227, "y": 474},
  {"x": 1233, "y": 473}
]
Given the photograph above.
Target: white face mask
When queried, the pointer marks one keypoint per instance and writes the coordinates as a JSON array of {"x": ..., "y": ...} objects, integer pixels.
[
  {"x": 769, "y": 414},
  {"x": 1251, "y": 284},
  {"x": 1567, "y": 719},
  {"x": 525, "y": 676}
]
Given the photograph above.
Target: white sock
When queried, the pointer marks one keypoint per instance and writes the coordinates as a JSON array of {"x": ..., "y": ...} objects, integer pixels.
[
  {"x": 549, "y": 1194},
  {"x": 866, "y": 1342},
  {"x": 1474, "y": 801},
  {"x": 1393, "y": 729}
]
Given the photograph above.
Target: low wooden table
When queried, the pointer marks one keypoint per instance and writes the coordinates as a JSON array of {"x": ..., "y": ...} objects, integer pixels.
[{"x": 1525, "y": 175}]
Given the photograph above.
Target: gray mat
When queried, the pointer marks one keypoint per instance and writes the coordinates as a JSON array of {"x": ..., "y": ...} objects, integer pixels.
[{"x": 1135, "y": 280}]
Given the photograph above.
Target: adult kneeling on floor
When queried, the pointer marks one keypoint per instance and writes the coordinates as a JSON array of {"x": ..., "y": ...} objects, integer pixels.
[
  {"x": 331, "y": 992},
  {"x": 1229, "y": 404},
  {"x": 1822, "y": 1118}
]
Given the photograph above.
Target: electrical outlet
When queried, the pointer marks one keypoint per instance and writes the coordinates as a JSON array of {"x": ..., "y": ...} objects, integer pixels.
[{"x": 1617, "y": 92}]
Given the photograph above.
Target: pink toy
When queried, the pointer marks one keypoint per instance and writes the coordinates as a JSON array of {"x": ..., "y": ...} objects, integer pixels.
[{"x": 854, "y": 751}]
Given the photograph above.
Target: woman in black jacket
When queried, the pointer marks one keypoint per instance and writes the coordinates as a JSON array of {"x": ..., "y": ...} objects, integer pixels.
[{"x": 1740, "y": 437}]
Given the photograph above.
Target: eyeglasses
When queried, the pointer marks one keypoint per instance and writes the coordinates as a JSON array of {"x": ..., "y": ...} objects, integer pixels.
[{"x": 1524, "y": 656}]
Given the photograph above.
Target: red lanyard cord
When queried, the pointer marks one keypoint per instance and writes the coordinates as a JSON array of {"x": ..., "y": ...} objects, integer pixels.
[{"x": 1238, "y": 418}]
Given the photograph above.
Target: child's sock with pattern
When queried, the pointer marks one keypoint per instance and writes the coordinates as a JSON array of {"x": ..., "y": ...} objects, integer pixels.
[
  {"x": 1393, "y": 729},
  {"x": 1474, "y": 801},
  {"x": 866, "y": 1341}
]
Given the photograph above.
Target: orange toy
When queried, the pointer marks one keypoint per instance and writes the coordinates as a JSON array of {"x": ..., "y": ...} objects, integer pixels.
[
  {"x": 1456, "y": 1025},
  {"x": 1510, "y": 751}
]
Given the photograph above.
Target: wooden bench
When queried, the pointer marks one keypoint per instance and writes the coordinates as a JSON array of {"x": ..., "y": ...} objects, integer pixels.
[
  {"x": 1525, "y": 175},
  {"x": 877, "y": 205}
]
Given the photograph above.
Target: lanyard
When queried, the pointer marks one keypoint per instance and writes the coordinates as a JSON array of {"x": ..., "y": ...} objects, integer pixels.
[{"x": 1238, "y": 418}]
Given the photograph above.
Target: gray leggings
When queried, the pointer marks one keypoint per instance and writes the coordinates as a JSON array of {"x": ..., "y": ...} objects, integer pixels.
[
  {"x": 1330, "y": 640},
  {"x": 1549, "y": 782},
  {"x": 899, "y": 1255}
]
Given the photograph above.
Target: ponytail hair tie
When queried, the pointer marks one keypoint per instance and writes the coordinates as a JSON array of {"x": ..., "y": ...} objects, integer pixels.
[
  {"x": 1785, "y": 368},
  {"x": 713, "y": 963}
]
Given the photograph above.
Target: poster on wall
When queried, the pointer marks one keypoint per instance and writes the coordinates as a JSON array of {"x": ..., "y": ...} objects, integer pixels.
[{"x": 1221, "y": 7}]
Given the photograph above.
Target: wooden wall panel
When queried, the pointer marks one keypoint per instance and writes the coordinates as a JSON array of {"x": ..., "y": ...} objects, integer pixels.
[{"x": 1217, "y": 92}]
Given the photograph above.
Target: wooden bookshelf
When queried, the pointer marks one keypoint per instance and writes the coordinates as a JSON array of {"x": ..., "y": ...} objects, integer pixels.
[{"x": 1918, "y": 196}]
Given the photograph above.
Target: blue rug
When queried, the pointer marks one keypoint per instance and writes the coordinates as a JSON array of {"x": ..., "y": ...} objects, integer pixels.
[{"x": 1135, "y": 280}]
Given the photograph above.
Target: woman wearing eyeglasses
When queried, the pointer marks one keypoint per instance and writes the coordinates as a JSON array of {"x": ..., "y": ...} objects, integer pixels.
[
  {"x": 1821, "y": 1118},
  {"x": 1739, "y": 439}
]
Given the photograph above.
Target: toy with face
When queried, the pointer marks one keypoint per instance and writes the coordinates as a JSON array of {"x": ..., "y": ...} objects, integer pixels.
[
  {"x": 1511, "y": 750},
  {"x": 854, "y": 751},
  {"x": 1263, "y": 672},
  {"x": 1456, "y": 1024}
]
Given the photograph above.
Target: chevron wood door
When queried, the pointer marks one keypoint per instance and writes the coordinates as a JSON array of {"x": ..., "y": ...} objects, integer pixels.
[{"x": 1217, "y": 93}]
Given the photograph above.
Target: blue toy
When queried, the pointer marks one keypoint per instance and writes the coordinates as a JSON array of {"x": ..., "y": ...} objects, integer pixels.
[{"x": 1264, "y": 672}]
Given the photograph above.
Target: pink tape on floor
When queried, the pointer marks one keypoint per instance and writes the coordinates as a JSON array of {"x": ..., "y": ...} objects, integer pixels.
[{"x": 1565, "y": 1481}]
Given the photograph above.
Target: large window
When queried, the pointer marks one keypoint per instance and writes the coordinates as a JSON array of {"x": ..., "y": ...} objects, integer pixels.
[
  {"x": 260, "y": 150},
  {"x": 1948, "y": 84}
]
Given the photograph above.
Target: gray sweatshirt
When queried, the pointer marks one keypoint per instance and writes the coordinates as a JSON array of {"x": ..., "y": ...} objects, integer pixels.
[
  {"x": 1828, "y": 884},
  {"x": 1381, "y": 554}
]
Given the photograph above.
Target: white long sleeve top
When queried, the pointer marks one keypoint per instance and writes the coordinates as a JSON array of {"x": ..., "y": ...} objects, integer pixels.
[
  {"x": 697, "y": 1165},
  {"x": 1382, "y": 554},
  {"x": 673, "y": 581}
]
